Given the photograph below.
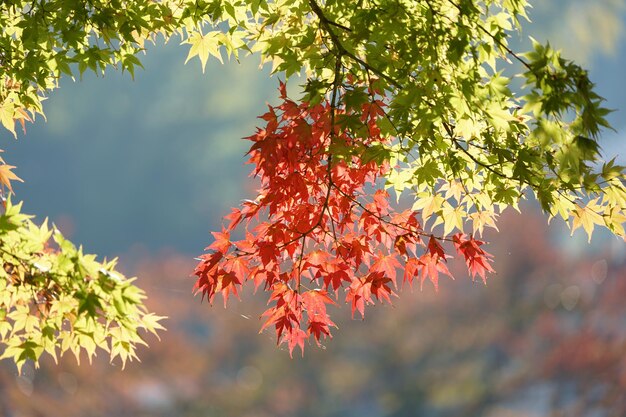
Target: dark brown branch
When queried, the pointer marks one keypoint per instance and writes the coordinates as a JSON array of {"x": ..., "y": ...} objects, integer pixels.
[
  {"x": 341, "y": 50},
  {"x": 389, "y": 222},
  {"x": 495, "y": 39}
]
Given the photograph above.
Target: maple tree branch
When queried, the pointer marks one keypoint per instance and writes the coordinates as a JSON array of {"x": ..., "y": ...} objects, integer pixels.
[
  {"x": 333, "y": 101},
  {"x": 493, "y": 37},
  {"x": 300, "y": 264},
  {"x": 498, "y": 173},
  {"x": 450, "y": 130},
  {"x": 23, "y": 261},
  {"x": 399, "y": 134},
  {"x": 507, "y": 49},
  {"x": 324, "y": 209},
  {"x": 478, "y": 161},
  {"x": 488, "y": 167},
  {"x": 333, "y": 107},
  {"x": 503, "y": 175},
  {"x": 470, "y": 195},
  {"x": 318, "y": 11},
  {"x": 341, "y": 50},
  {"x": 389, "y": 222},
  {"x": 332, "y": 226}
]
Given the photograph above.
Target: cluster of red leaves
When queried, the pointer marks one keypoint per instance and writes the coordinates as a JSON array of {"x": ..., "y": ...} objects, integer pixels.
[{"x": 320, "y": 227}]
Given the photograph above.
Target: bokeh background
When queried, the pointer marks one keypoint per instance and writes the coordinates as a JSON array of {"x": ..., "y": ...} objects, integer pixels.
[{"x": 143, "y": 169}]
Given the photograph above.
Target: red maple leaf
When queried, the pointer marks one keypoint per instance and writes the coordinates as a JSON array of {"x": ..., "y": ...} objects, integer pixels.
[
  {"x": 476, "y": 258},
  {"x": 222, "y": 241},
  {"x": 380, "y": 287},
  {"x": 359, "y": 293},
  {"x": 314, "y": 303},
  {"x": 386, "y": 265}
]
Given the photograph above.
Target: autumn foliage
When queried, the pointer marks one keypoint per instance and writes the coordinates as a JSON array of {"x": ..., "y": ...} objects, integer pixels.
[{"x": 322, "y": 230}]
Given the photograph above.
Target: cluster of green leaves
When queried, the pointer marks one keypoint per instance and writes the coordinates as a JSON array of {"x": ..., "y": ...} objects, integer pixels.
[
  {"x": 470, "y": 145},
  {"x": 54, "y": 298},
  {"x": 466, "y": 140},
  {"x": 41, "y": 41}
]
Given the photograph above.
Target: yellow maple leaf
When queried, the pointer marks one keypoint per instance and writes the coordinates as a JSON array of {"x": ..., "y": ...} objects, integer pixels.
[
  {"x": 587, "y": 217},
  {"x": 453, "y": 189},
  {"x": 7, "y": 112},
  {"x": 204, "y": 46},
  {"x": 452, "y": 217},
  {"x": 482, "y": 219},
  {"x": 6, "y": 176},
  {"x": 428, "y": 205},
  {"x": 615, "y": 219}
]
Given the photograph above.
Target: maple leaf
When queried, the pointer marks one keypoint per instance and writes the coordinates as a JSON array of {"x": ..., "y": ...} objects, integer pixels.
[
  {"x": 372, "y": 226},
  {"x": 386, "y": 265},
  {"x": 295, "y": 337},
  {"x": 6, "y": 176},
  {"x": 314, "y": 302},
  {"x": 407, "y": 218},
  {"x": 21, "y": 116},
  {"x": 379, "y": 286},
  {"x": 318, "y": 329},
  {"x": 203, "y": 46},
  {"x": 316, "y": 259},
  {"x": 235, "y": 218},
  {"x": 428, "y": 205},
  {"x": 282, "y": 89},
  {"x": 206, "y": 272},
  {"x": 286, "y": 313},
  {"x": 587, "y": 217},
  {"x": 354, "y": 248},
  {"x": 411, "y": 270},
  {"x": 227, "y": 284},
  {"x": 267, "y": 253},
  {"x": 283, "y": 320},
  {"x": 239, "y": 267},
  {"x": 337, "y": 277},
  {"x": 221, "y": 243},
  {"x": 359, "y": 293},
  {"x": 7, "y": 116},
  {"x": 381, "y": 202},
  {"x": 372, "y": 110},
  {"x": 476, "y": 258},
  {"x": 435, "y": 248},
  {"x": 276, "y": 316},
  {"x": 400, "y": 243},
  {"x": 430, "y": 265},
  {"x": 482, "y": 219}
]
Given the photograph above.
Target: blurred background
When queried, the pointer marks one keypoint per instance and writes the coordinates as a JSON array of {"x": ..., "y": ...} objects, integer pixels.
[{"x": 144, "y": 169}]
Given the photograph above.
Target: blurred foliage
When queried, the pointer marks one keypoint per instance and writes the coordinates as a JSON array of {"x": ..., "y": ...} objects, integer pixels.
[{"x": 546, "y": 337}]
